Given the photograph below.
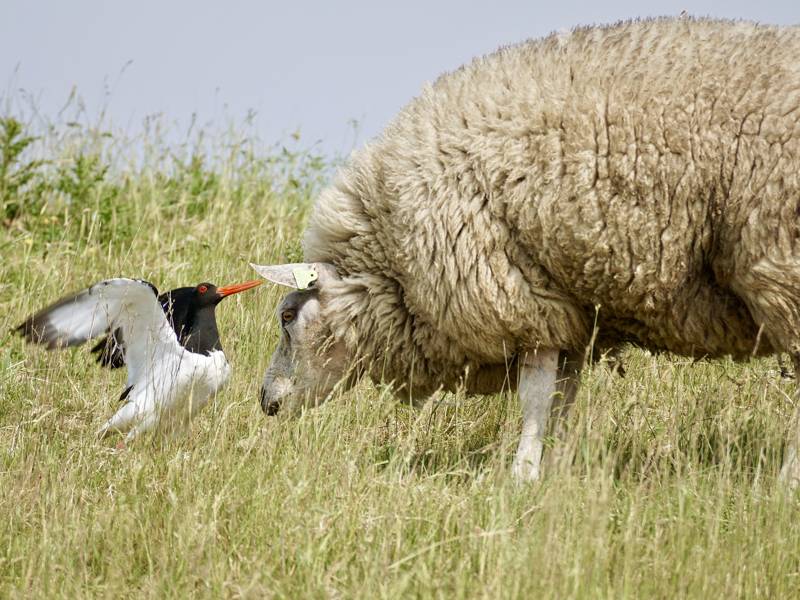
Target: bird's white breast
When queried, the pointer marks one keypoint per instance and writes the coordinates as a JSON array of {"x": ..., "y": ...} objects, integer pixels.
[{"x": 183, "y": 384}]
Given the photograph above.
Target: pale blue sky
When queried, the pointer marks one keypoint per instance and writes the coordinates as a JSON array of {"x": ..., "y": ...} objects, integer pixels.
[{"x": 308, "y": 65}]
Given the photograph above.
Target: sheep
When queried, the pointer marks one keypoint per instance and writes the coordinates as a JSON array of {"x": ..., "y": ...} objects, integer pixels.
[{"x": 633, "y": 183}]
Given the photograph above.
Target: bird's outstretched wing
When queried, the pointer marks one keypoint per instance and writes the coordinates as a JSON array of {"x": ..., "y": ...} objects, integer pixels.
[
  {"x": 129, "y": 306},
  {"x": 110, "y": 350}
]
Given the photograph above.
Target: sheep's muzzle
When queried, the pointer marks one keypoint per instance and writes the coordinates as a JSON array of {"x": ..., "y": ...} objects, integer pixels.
[{"x": 269, "y": 405}]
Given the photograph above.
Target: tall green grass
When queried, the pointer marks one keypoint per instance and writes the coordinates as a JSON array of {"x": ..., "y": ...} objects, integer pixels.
[{"x": 664, "y": 487}]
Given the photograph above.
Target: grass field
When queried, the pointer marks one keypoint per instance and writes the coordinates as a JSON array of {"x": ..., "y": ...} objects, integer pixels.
[{"x": 665, "y": 486}]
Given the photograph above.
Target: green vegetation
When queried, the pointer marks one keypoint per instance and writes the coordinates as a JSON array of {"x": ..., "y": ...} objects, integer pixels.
[{"x": 665, "y": 486}]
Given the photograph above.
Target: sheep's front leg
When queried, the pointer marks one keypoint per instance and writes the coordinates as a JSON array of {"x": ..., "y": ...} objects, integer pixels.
[{"x": 537, "y": 384}]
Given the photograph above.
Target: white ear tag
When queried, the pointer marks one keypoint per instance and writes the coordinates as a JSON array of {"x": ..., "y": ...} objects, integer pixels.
[{"x": 304, "y": 277}]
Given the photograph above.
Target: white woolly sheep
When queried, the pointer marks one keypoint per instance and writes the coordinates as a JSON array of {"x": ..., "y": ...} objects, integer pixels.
[{"x": 648, "y": 168}]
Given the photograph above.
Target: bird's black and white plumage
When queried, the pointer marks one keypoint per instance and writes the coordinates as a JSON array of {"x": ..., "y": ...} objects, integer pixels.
[
  {"x": 177, "y": 304},
  {"x": 170, "y": 345}
]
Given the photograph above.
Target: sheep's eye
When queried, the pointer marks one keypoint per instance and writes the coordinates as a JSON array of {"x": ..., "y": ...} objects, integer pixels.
[{"x": 287, "y": 316}]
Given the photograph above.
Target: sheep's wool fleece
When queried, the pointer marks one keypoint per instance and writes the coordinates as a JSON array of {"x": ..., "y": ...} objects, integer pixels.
[{"x": 641, "y": 177}]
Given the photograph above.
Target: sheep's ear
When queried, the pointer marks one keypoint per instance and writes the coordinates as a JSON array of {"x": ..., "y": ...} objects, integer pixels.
[{"x": 300, "y": 276}]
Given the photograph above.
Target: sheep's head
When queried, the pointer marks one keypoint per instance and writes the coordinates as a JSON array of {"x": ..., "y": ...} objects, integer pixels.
[{"x": 308, "y": 363}]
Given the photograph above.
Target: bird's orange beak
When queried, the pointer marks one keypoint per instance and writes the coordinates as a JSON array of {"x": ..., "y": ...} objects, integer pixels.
[{"x": 235, "y": 289}]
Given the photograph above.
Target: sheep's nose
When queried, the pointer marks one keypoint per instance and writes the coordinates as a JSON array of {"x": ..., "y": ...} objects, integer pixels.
[{"x": 268, "y": 405}]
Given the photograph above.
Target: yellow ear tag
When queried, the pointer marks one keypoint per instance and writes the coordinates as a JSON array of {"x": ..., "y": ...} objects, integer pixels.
[{"x": 304, "y": 278}]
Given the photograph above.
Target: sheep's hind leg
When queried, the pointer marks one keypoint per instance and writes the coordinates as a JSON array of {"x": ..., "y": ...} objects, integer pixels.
[
  {"x": 570, "y": 365},
  {"x": 537, "y": 385},
  {"x": 790, "y": 471},
  {"x": 771, "y": 292}
]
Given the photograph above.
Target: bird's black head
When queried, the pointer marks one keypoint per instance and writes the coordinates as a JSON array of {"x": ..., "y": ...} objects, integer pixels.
[
  {"x": 206, "y": 294},
  {"x": 191, "y": 313}
]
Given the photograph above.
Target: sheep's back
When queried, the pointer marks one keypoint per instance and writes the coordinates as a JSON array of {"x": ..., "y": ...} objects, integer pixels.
[{"x": 609, "y": 169}]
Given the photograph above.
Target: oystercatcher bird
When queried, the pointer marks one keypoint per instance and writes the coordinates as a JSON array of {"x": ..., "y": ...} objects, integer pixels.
[{"x": 169, "y": 343}]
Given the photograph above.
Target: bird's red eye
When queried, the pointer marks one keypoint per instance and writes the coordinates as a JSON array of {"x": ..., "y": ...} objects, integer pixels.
[{"x": 202, "y": 289}]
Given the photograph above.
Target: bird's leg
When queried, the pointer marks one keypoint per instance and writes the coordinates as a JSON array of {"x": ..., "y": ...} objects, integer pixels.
[{"x": 537, "y": 385}]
